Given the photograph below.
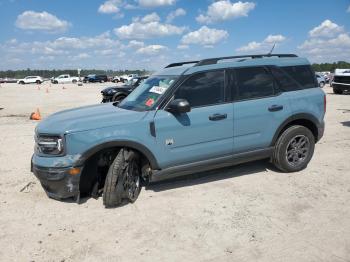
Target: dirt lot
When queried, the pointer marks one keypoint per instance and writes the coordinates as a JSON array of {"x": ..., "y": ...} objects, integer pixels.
[{"x": 246, "y": 213}]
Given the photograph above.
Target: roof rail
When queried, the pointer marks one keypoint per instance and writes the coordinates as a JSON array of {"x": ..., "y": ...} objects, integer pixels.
[
  {"x": 211, "y": 61},
  {"x": 182, "y": 63}
]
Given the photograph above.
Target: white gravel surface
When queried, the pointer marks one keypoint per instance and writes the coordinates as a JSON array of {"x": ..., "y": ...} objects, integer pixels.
[{"x": 249, "y": 212}]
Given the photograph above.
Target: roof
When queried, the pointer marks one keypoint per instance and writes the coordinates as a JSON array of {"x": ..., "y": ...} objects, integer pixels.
[{"x": 232, "y": 62}]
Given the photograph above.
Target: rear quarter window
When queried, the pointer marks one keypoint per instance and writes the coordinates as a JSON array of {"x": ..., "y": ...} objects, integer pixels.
[{"x": 303, "y": 75}]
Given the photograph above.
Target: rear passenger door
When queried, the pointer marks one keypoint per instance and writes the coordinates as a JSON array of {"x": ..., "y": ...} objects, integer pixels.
[{"x": 259, "y": 108}]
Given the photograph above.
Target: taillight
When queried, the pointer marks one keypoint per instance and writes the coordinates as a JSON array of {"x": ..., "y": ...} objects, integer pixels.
[{"x": 324, "y": 103}]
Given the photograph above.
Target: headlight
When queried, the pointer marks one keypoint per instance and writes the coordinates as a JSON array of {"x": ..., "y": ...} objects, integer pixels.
[{"x": 49, "y": 145}]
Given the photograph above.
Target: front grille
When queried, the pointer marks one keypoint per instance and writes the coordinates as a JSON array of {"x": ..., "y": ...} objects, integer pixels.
[{"x": 342, "y": 79}]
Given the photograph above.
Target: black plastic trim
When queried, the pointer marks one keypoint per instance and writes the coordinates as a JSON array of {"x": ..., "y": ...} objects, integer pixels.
[
  {"x": 120, "y": 143},
  {"x": 301, "y": 116},
  {"x": 210, "y": 164}
]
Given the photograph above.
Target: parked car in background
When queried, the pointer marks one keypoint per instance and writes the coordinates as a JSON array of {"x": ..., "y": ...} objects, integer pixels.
[
  {"x": 341, "y": 81},
  {"x": 118, "y": 93},
  {"x": 118, "y": 79},
  {"x": 31, "y": 80},
  {"x": 8, "y": 80},
  {"x": 65, "y": 79},
  {"x": 95, "y": 79},
  {"x": 321, "y": 80},
  {"x": 189, "y": 117}
]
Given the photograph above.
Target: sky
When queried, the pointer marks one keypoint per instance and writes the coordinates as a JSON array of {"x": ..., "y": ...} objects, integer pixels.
[{"x": 149, "y": 34}]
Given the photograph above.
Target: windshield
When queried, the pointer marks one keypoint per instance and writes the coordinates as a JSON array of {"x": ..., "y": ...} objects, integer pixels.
[{"x": 146, "y": 95}]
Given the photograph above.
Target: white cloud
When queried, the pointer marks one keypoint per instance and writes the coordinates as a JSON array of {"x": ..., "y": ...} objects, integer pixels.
[
  {"x": 205, "y": 36},
  {"x": 44, "y": 21},
  {"x": 147, "y": 27},
  {"x": 182, "y": 47},
  {"x": 136, "y": 44},
  {"x": 326, "y": 29},
  {"x": 156, "y": 3},
  {"x": 172, "y": 15},
  {"x": 348, "y": 10},
  {"x": 265, "y": 45},
  {"x": 225, "y": 10},
  {"x": 151, "y": 49},
  {"x": 325, "y": 45},
  {"x": 271, "y": 39},
  {"x": 109, "y": 7}
]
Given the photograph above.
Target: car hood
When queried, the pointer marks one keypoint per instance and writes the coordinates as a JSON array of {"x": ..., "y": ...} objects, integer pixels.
[
  {"x": 87, "y": 118},
  {"x": 114, "y": 89}
]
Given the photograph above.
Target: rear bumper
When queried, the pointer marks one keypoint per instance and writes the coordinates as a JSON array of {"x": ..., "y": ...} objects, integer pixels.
[
  {"x": 320, "y": 130},
  {"x": 57, "y": 182}
]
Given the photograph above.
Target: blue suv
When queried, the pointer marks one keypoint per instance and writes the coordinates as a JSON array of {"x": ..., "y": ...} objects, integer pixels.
[{"x": 189, "y": 117}]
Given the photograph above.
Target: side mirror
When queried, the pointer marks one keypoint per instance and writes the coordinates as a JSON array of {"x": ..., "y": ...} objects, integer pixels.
[{"x": 179, "y": 106}]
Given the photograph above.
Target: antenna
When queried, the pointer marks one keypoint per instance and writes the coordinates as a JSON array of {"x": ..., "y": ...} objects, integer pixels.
[{"x": 272, "y": 49}]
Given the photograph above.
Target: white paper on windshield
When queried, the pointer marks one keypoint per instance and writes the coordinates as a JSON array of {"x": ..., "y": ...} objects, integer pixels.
[{"x": 158, "y": 90}]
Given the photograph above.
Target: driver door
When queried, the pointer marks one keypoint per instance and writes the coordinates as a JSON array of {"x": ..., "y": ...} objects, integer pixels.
[{"x": 206, "y": 132}]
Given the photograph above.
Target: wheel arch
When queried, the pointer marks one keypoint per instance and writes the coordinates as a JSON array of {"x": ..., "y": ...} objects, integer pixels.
[
  {"x": 303, "y": 119},
  {"x": 120, "y": 144}
]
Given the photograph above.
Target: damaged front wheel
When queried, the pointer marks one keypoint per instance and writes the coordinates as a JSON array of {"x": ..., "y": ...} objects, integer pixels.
[{"x": 123, "y": 181}]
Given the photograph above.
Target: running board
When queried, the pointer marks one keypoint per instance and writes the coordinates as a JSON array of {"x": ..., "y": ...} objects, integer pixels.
[{"x": 210, "y": 164}]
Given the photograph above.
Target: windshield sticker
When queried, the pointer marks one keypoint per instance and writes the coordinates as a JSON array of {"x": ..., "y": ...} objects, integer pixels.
[
  {"x": 158, "y": 90},
  {"x": 149, "y": 102}
]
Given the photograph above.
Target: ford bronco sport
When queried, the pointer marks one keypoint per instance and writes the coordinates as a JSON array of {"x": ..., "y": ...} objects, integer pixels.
[{"x": 189, "y": 117}]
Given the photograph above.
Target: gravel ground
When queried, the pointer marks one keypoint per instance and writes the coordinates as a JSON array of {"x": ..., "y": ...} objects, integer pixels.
[{"x": 249, "y": 212}]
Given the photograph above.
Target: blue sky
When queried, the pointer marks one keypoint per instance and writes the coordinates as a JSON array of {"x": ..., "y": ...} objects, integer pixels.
[{"x": 132, "y": 34}]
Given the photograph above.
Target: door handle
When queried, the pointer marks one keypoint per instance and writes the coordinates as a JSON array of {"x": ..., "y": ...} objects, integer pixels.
[
  {"x": 275, "y": 108},
  {"x": 217, "y": 117}
]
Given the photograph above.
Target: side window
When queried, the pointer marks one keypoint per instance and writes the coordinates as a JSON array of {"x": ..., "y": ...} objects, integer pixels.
[
  {"x": 285, "y": 82},
  {"x": 203, "y": 89},
  {"x": 253, "y": 82},
  {"x": 301, "y": 74}
]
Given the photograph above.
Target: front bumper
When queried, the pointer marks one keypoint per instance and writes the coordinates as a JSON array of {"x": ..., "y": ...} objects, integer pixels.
[
  {"x": 107, "y": 98},
  {"x": 341, "y": 86},
  {"x": 58, "y": 183}
]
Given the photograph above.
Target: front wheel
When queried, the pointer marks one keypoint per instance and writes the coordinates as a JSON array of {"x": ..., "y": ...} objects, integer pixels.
[
  {"x": 322, "y": 84},
  {"x": 118, "y": 99},
  {"x": 294, "y": 149},
  {"x": 123, "y": 180}
]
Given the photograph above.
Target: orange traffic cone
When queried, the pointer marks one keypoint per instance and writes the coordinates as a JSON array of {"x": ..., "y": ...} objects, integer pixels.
[{"x": 35, "y": 115}]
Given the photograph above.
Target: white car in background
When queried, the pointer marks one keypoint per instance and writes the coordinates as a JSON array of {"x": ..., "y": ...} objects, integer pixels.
[
  {"x": 30, "y": 80},
  {"x": 65, "y": 79}
]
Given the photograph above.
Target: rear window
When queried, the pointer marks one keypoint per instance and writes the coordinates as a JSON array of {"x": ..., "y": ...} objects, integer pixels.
[{"x": 303, "y": 75}]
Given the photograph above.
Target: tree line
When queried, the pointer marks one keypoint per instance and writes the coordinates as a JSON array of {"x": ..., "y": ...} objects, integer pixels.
[
  {"x": 73, "y": 72},
  {"x": 54, "y": 73}
]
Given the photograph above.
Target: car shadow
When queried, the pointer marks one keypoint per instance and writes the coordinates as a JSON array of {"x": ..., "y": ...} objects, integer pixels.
[
  {"x": 346, "y": 123},
  {"x": 211, "y": 176}
]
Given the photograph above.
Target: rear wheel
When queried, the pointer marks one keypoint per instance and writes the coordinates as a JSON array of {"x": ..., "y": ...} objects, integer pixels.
[
  {"x": 123, "y": 181},
  {"x": 74, "y": 81},
  {"x": 337, "y": 91},
  {"x": 22, "y": 82},
  {"x": 294, "y": 149},
  {"x": 38, "y": 82},
  {"x": 322, "y": 84}
]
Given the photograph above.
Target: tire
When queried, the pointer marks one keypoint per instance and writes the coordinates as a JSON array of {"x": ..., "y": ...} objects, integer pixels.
[
  {"x": 294, "y": 149},
  {"x": 118, "y": 98},
  {"x": 74, "y": 81},
  {"x": 123, "y": 180},
  {"x": 38, "y": 82},
  {"x": 322, "y": 84},
  {"x": 21, "y": 83},
  {"x": 337, "y": 91}
]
